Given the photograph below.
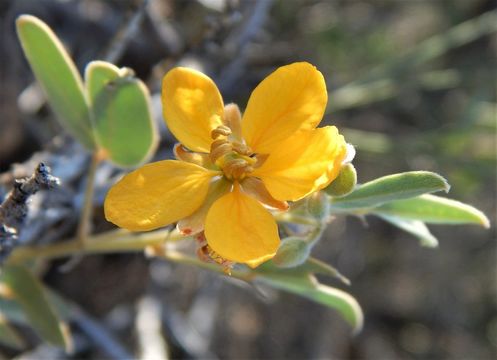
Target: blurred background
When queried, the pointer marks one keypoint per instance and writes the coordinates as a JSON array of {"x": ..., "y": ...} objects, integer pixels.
[{"x": 412, "y": 85}]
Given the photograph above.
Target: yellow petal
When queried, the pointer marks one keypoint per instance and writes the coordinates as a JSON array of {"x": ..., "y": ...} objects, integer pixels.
[
  {"x": 192, "y": 107},
  {"x": 157, "y": 194},
  {"x": 306, "y": 162},
  {"x": 240, "y": 229},
  {"x": 291, "y": 98},
  {"x": 194, "y": 223}
]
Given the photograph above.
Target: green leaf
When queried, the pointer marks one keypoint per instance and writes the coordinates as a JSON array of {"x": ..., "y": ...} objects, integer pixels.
[
  {"x": 414, "y": 227},
  {"x": 310, "y": 267},
  {"x": 120, "y": 114},
  {"x": 309, "y": 287},
  {"x": 58, "y": 76},
  {"x": 301, "y": 281},
  {"x": 435, "y": 210},
  {"x": 389, "y": 188},
  {"x": 8, "y": 336},
  {"x": 316, "y": 266},
  {"x": 28, "y": 292}
]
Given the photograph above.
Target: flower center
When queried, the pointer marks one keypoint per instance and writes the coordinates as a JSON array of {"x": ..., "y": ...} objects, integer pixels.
[{"x": 234, "y": 157}]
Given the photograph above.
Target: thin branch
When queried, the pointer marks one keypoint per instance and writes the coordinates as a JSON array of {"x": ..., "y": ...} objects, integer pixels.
[{"x": 14, "y": 208}]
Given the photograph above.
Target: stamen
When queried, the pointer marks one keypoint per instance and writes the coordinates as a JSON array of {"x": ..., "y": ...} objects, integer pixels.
[
  {"x": 232, "y": 156},
  {"x": 255, "y": 188},
  {"x": 206, "y": 254},
  {"x": 241, "y": 148},
  {"x": 233, "y": 118},
  {"x": 183, "y": 154},
  {"x": 220, "y": 148},
  {"x": 237, "y": 168},
  {"x": 221, "y": 130}
]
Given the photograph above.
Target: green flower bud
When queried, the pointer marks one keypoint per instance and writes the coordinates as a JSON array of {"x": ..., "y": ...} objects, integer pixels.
[
  {"x": 318, "y": 206},
  {"x": 344, "y": 183},
  {"x": 293, "y": 251}
]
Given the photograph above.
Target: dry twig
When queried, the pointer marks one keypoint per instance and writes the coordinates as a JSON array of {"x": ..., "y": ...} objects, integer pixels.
[{"x": 14, "y": 208}]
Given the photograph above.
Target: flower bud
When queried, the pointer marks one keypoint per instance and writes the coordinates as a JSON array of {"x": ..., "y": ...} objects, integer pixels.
[
  {"x": 344, "y": 183},
  {"x": 318, "y": 206},
  {"x": 293, "y": 251}
]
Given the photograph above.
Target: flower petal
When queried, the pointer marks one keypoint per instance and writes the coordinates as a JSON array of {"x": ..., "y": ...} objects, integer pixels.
[
  {"x": 306, "y": 162},
  {"x": 194, "y": 223},
  {"x": 192, "y": 107},
  {"x": 240, "y": 229},
  {"x": 291, "y": 98},
  {"x": 157, "y": 194}
]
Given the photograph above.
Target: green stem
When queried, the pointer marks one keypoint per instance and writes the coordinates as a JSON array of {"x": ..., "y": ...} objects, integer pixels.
[
  {"x": 109, "y": 242},
  {"x": 121, "y": 241},
  {"x": 84, "y": 226}
]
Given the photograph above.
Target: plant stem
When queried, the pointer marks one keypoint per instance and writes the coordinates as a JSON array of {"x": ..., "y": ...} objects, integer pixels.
[
  {"x": 121, "y": 241},
  {"x": 109, "y": 242},
  {"x": 84, "y": 226}
]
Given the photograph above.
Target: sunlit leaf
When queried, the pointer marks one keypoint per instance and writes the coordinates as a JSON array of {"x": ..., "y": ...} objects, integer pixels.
[
  {"x": 389, "y": 188},
  {"x": 301, "y": 281},
  {"x": 414, "y": 227},
  {"x": 433, "y": 209},
  {"x": 57, "y": 75},
  {"x": 311, "y": 266},
  {"x": 28, "y": 292},
  {"x": 316, "y": 266},
  {"x": 308, "y": 287},
  {"x": 120, "y": 114}
]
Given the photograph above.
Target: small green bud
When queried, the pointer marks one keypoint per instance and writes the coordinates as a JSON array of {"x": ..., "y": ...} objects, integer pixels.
[
  {"x": 344, "y": 183},
  {"x": 293, "y": 251},
  {"x": 318, "y": 206}
]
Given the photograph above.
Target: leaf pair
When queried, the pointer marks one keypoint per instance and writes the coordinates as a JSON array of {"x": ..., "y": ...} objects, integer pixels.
[
  {"x": 404, "y": 201},
  {"x": 111, "y": 114}
]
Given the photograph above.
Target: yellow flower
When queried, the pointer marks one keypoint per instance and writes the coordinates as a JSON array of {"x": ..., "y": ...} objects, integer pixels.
[{"x": 232, "y": 169}]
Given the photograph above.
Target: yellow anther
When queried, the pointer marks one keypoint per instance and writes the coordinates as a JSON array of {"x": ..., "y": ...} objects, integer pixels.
[
  {"x": 183, "y": 154},
  {"x": 232, "y": 156},
  {"x": 236, "y": 168},
  {"x": 221, "y": 130},
  {"x": 240, "y": 173},
  {"x": 233, "y": 118},
  {"x": 220, "y": 148},
  {"x": 241, "y": 148}
]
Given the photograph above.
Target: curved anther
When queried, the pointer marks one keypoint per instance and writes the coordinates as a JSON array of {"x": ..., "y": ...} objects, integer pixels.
[
  {"x": 220, "y": 148},
  {"x": 241, "y": 148},
  {"x": 237, "y": 168},
  {"x": 221, "y": 130}
]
